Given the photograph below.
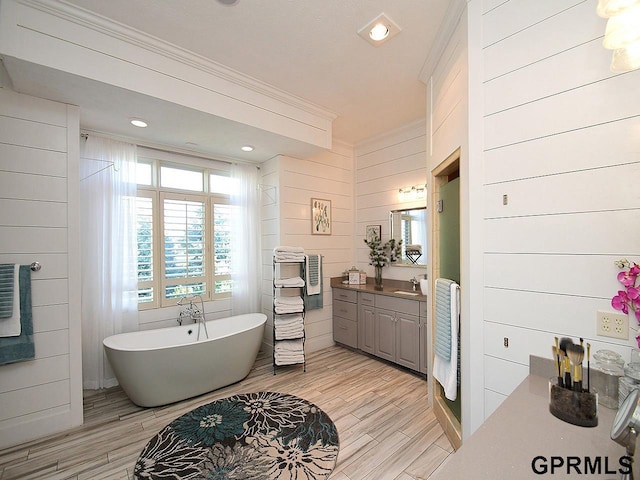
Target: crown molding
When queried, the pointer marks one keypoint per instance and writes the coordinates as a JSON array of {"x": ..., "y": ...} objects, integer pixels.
[
  {"x": 137, "y": 38},
  {"x": 452, "y": 18}
]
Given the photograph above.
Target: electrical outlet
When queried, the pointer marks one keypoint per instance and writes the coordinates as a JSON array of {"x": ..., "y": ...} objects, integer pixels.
[{"x": 612, "y": 324}]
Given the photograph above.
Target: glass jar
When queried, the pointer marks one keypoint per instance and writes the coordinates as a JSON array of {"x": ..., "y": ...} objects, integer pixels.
[
  {"x": 345, "y": 277},
  {"x": 605, "y": 375},
  {"x": 630, "y": 381}
]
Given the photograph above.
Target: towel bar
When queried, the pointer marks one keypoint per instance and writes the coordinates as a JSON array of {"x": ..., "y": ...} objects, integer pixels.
[{"x": 35, "y": 267}]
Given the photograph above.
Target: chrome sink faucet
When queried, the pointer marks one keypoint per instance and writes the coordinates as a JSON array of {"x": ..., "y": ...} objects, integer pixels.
[{"x": 415, "y": 283}]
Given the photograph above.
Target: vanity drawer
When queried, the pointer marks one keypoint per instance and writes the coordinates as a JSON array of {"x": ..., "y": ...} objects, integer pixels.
[
  {"x": 400, "y": 305},
  {"x": 345, "y": 295},
  {"x": 367, "y": 299},
  {"x": 345, "y": 309},
  {"x": 345, "y": 331}
]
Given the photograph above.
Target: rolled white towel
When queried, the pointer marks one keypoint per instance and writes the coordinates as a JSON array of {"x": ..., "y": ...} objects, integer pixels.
[
  {"x": 289, "y": 334},
  {"x": 288, "y": 249},
  {"x": 289, "y": 282},
  {"x": 289, "y": 301},
  {"x": 289, "y": 258},
  {"x": 280, "y": 310},
  {"x": 290, "y": 329},
  {"x": 290, "y": 360},
  {"x": 289, "y": 346},
  {"x": 285, "y": 320}
]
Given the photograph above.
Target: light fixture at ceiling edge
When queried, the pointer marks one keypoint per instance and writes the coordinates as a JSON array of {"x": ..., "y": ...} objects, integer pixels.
[{"x": 622, "y": 33}]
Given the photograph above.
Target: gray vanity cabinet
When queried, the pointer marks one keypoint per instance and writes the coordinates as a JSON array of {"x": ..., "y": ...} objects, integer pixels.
[
  {"x": 366, "y": 322},
  {"x": 385, "y": 334},
  {"x": 398, "y": 330},
  {"x": 389, "y": 327},
  {"x": 408, "y": 340},
  {"x": 345, "y": 317},
  {"x": 423, "y": 337}
]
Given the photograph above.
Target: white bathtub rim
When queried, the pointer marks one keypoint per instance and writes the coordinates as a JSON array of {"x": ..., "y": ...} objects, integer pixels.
[{"x": 109, "y": 342}]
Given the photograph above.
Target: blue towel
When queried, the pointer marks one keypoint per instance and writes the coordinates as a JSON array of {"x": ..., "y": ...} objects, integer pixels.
[
  {"x": 17, "y": 349},
  {"x": 6, "y": 289},
  {"x": 442, "y": 346}
]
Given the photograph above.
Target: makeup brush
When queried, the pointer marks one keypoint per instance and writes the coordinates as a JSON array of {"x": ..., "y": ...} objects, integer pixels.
[
  {"x": 556, "y": 357},
  {"x": 564, "y": 341},
  {"x": 564, "y": 344},
  {"x": 576, "y": 355},
  {"x": 589, "y": 367}
]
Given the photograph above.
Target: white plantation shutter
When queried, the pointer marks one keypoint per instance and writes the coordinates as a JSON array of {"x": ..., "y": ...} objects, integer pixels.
[{"x": 184, "y": 243}]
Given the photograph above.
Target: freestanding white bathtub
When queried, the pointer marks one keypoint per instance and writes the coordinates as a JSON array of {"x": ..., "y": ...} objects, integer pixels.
[{"x": 157, "y": 367}]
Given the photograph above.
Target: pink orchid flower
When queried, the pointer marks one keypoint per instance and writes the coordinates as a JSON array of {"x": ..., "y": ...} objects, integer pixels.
[
  {"x": 638, "y": 340},
  {"x": 627, "y": 279},
  {"x": 619, "y": 302}
]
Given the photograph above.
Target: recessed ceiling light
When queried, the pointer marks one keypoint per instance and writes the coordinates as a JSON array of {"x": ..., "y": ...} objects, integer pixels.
[
  {"x": 379, "y": 30},
  {"x": 138, "y": 123},
  {"x": 247, "y": 148}
]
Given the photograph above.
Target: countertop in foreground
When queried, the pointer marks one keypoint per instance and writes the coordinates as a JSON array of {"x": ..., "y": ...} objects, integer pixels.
[{"x": 521, "y": 440}]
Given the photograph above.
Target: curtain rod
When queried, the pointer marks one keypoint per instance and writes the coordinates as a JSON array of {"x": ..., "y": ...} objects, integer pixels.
[{"x": 167, "y": 149}]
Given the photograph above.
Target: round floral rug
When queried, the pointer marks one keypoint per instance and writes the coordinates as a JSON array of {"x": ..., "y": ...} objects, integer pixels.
[{"x": 253, "y": 436}]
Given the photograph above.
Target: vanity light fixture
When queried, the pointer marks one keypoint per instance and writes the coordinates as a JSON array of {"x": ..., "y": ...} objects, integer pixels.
[
  {"x": 247, "y": 148},
  {"x": 415, "y": 192},
  {"x": 379, "y": 30},
  {"x": 137, "y": 122},
  {"x": 622, "y": 34}
]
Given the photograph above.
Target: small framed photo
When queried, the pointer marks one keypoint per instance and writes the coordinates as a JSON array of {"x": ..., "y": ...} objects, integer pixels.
[
  {"x": 373, "y": 232},
  {"x": 320, "y": 216}
]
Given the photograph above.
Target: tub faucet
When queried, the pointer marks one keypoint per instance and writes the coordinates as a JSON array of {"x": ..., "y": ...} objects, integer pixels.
[
  {"x": 194, "y": 313},
  {"x": 414, "y": 282}
]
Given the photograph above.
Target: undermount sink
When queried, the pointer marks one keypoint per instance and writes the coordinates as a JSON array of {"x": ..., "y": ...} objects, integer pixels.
[{"x": 404, "y": 292}]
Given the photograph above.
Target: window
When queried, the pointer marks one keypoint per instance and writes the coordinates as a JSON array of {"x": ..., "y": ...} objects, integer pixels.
[
  {"x": 144, "y": 225},
  {"x": 183, "y": 234}
]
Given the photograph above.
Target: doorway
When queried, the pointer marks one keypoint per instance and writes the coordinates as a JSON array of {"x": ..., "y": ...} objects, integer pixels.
[{"x": 446, "y": 256}]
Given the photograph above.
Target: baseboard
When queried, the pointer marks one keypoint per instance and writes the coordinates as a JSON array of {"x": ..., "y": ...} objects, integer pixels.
[{"x": 15, "y": 431}]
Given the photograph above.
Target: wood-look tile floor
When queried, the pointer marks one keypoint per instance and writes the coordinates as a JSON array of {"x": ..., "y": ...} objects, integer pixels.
[{"x": 386, "y": 428}]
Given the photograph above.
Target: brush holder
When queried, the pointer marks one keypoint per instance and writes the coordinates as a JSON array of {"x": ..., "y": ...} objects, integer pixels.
[{"x": 577, "y": 408}]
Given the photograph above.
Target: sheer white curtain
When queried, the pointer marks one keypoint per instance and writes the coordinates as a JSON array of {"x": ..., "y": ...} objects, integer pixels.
[
  {"x": 109, "y": 263},
  {"x": 246, "y": 261}
]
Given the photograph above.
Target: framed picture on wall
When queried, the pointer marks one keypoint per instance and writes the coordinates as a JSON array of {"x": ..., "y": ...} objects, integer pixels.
[
  {"x": 373, "y": 232},
  {"x": 320, "y": 216}
]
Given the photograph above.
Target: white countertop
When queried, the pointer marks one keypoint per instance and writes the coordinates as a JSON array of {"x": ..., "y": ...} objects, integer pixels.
[{"x": 521, "y": 429}]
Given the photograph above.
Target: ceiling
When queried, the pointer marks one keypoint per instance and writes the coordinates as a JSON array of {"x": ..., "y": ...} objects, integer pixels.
[{"x": 307, "y": 48}]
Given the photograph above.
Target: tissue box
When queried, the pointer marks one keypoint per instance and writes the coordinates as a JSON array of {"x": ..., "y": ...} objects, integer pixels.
[{"x": 363, "y": 278}]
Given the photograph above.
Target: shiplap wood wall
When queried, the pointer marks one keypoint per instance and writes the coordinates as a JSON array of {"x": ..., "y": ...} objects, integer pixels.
[
  {"x": 39, "y": 219},
  {"x": 287, "y": 221},
  {"x": 561, "y": 141},
  {"x": 385, "y": 164}
]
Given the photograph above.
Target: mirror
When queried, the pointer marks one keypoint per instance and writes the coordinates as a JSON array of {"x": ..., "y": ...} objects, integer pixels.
[{"x": 410, "y": 226}]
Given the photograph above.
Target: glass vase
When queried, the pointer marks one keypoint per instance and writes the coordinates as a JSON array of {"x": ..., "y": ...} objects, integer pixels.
[{"x": 378, "y": 278}]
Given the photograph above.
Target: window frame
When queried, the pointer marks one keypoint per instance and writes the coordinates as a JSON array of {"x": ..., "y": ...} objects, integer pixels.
[
  {"x": 150, "y": 192},
  {"x": 158, "y": 194}
]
